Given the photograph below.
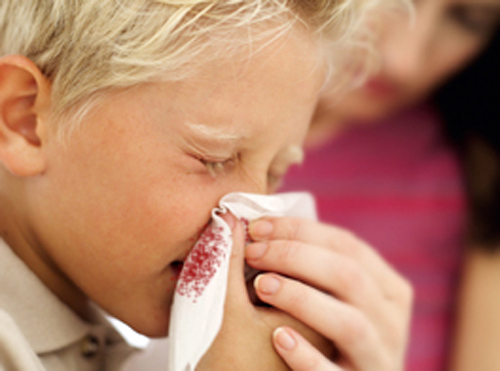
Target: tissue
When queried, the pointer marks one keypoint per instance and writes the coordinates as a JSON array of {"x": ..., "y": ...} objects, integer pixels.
[{"x": 198, "y": 307}]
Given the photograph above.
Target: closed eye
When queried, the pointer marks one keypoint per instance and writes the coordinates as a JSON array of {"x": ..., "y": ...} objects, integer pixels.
[{"x": 217, "y": 167}]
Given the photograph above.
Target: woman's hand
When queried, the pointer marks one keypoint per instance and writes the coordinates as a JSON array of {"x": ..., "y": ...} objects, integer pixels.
[
  {"x": 245, "y": 339},
  {"x": 335, "y": 284}
]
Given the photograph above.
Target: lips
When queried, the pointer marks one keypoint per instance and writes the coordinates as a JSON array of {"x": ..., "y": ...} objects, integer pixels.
[{"x": 381, "y": 88}]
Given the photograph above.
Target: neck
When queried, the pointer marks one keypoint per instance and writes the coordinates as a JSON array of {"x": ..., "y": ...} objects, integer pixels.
[{"x": 26, "y": 246}]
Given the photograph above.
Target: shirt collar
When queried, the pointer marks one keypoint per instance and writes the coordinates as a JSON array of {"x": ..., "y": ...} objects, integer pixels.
[{"x": 46, "y": 322}]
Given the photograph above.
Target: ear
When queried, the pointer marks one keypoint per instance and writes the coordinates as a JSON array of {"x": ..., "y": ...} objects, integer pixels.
[{"x": 24, "y": 108}]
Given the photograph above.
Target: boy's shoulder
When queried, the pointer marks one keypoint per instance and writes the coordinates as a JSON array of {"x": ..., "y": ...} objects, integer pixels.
[
  {"x": 32, "y": 320},
  {"x": 15, "y": 351},
  {"x": 44, "y": 320},
  {"x": 37, "y": 327}
]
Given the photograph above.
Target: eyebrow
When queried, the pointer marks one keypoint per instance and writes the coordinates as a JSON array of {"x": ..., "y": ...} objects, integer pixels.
[{"x": 215, "y": 133}]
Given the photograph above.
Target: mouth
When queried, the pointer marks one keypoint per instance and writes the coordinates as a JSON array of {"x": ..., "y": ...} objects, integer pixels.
[{"x": 381, "y": 88}]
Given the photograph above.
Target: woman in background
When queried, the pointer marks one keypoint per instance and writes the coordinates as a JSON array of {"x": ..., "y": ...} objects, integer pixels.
[
  {"x": 469, "y": 106},
  {"x": 387, "y": 162}
]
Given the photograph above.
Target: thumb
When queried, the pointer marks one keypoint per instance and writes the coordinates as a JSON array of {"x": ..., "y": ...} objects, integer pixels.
[{"x": 236, "y": 287}]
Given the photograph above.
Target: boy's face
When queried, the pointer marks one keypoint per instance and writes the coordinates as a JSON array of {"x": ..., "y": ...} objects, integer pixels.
[{"x": 127, "y": 195}]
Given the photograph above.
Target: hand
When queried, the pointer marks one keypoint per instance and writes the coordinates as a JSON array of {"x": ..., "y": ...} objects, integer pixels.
[
  {"x": 245, "y": 339},
  {"x": 337, "y": 285}
]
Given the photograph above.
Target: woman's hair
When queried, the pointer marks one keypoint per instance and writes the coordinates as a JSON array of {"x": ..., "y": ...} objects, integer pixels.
[
  {"x": 89, "y": 46},
  {"x": 471, "y": 111}
]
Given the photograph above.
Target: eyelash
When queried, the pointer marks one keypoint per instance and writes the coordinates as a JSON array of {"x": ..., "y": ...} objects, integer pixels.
[{"x": 218, "y": 167}]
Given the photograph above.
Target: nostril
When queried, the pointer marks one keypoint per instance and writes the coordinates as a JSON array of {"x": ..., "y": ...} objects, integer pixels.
[{"x": 176, "y": 268}]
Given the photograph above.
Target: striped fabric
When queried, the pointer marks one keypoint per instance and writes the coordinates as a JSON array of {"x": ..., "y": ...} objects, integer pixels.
[{"x": 397, "y": 184}]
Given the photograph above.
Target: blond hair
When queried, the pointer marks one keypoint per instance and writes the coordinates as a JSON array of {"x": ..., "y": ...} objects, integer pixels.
[{"x": 88, "y": 46}]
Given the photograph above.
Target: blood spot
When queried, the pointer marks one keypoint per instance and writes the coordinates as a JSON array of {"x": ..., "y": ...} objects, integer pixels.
[
  {"x": 246, "y": 224},
  {"x": 202, "y": 263}
]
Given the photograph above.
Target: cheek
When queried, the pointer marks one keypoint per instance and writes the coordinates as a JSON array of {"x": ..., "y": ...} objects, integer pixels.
[
  {"x": 449, "y": 59},
  {"x": 136, "y": 205},
  {"x": 122, "y": 213},
  {"x": 141, "y": 237},
  {"x": 152, "y": 215}
]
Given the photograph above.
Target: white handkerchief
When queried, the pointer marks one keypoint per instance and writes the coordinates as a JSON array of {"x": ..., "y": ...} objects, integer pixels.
[{"x": 198, "y": 307}]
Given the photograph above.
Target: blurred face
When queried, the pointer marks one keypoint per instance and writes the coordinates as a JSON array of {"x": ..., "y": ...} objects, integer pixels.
[
  {"x": 416, "y": 58},
  {"x": 125, "y": 198}
]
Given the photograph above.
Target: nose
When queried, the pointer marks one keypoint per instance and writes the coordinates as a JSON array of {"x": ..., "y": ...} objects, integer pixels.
[
  {"x": 248, "y": 182},
  {"x": 255, "y": 182},
  {"x": 404, "y": 45}
]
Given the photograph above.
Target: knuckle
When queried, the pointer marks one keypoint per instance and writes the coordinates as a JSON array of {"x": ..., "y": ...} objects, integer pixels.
[
  {"x": 351, "y": 278},
  {"x": 345, "y": 235},
  {"x": 294, "y": 299},
  {"x": 408, "y": 293},
  {"x": 356, "y": 330},
  {"x": 287, "y": 251},
  {"x": 348, "y": 242},
  {"x": 388, "y": 362},
  {"x": 405, "y": 293},
  {"x": 292, "y": 228}
]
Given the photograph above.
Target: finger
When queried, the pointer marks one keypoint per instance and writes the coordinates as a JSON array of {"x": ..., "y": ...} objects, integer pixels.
[
  {"x": 338, "y": 239},
  {"x": 341, "y": 277},
  {"x": 322, "y": 268},
  {"x": 346, "y": 326},
  {"x": 298, "y": 354}
]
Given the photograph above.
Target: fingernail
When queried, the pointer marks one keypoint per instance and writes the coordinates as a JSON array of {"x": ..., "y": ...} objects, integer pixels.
[
  {"x": 229, "y": 219},
  {"x": 261, "y": 228},
  {"x": 284, "y": 339},
  {"x": 266, "y": 284},
  {"x": 255, "y": 250}
]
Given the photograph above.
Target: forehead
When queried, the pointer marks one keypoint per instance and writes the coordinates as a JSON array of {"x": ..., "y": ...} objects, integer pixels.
[
  {"x": 295, "y": 54},
  {"x": 289, "y": 68}
]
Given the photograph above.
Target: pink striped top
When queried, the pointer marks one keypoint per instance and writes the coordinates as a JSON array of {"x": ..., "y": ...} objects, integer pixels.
[{"x": 397, "y": 184}]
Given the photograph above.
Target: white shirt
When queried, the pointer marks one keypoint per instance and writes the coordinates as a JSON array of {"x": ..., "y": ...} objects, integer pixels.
[{"x": 39, "y": 332}]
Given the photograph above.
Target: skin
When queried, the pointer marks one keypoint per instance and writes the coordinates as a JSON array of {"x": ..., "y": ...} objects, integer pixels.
[
  {"x": 108, "y": 213},
  {"x": 91, "y": 227},
  {"x": 443, "y": 37},
  {"x": 478, "y": 330}
]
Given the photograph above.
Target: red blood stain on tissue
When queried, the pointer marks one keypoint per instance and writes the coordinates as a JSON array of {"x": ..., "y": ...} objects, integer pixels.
[
  {"x": 246, "y": 224},
  {"x": 202, "y": 263}
]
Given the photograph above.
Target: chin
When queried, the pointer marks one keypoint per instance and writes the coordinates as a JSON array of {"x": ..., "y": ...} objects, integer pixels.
[
  {"x": 153, "y": 325},
  {"x": 377, "y": 113},
  {"x": 361, "y": 108},
  {"x": 153, "y": 330},
  {"x": 156, "y": 333}
]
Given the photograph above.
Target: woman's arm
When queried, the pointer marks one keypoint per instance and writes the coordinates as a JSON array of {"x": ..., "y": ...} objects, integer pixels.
[{"x": 477, "y": 340}]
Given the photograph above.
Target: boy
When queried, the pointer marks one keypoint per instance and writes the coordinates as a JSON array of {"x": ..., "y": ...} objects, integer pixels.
[{"x": 122, "y": 125}]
